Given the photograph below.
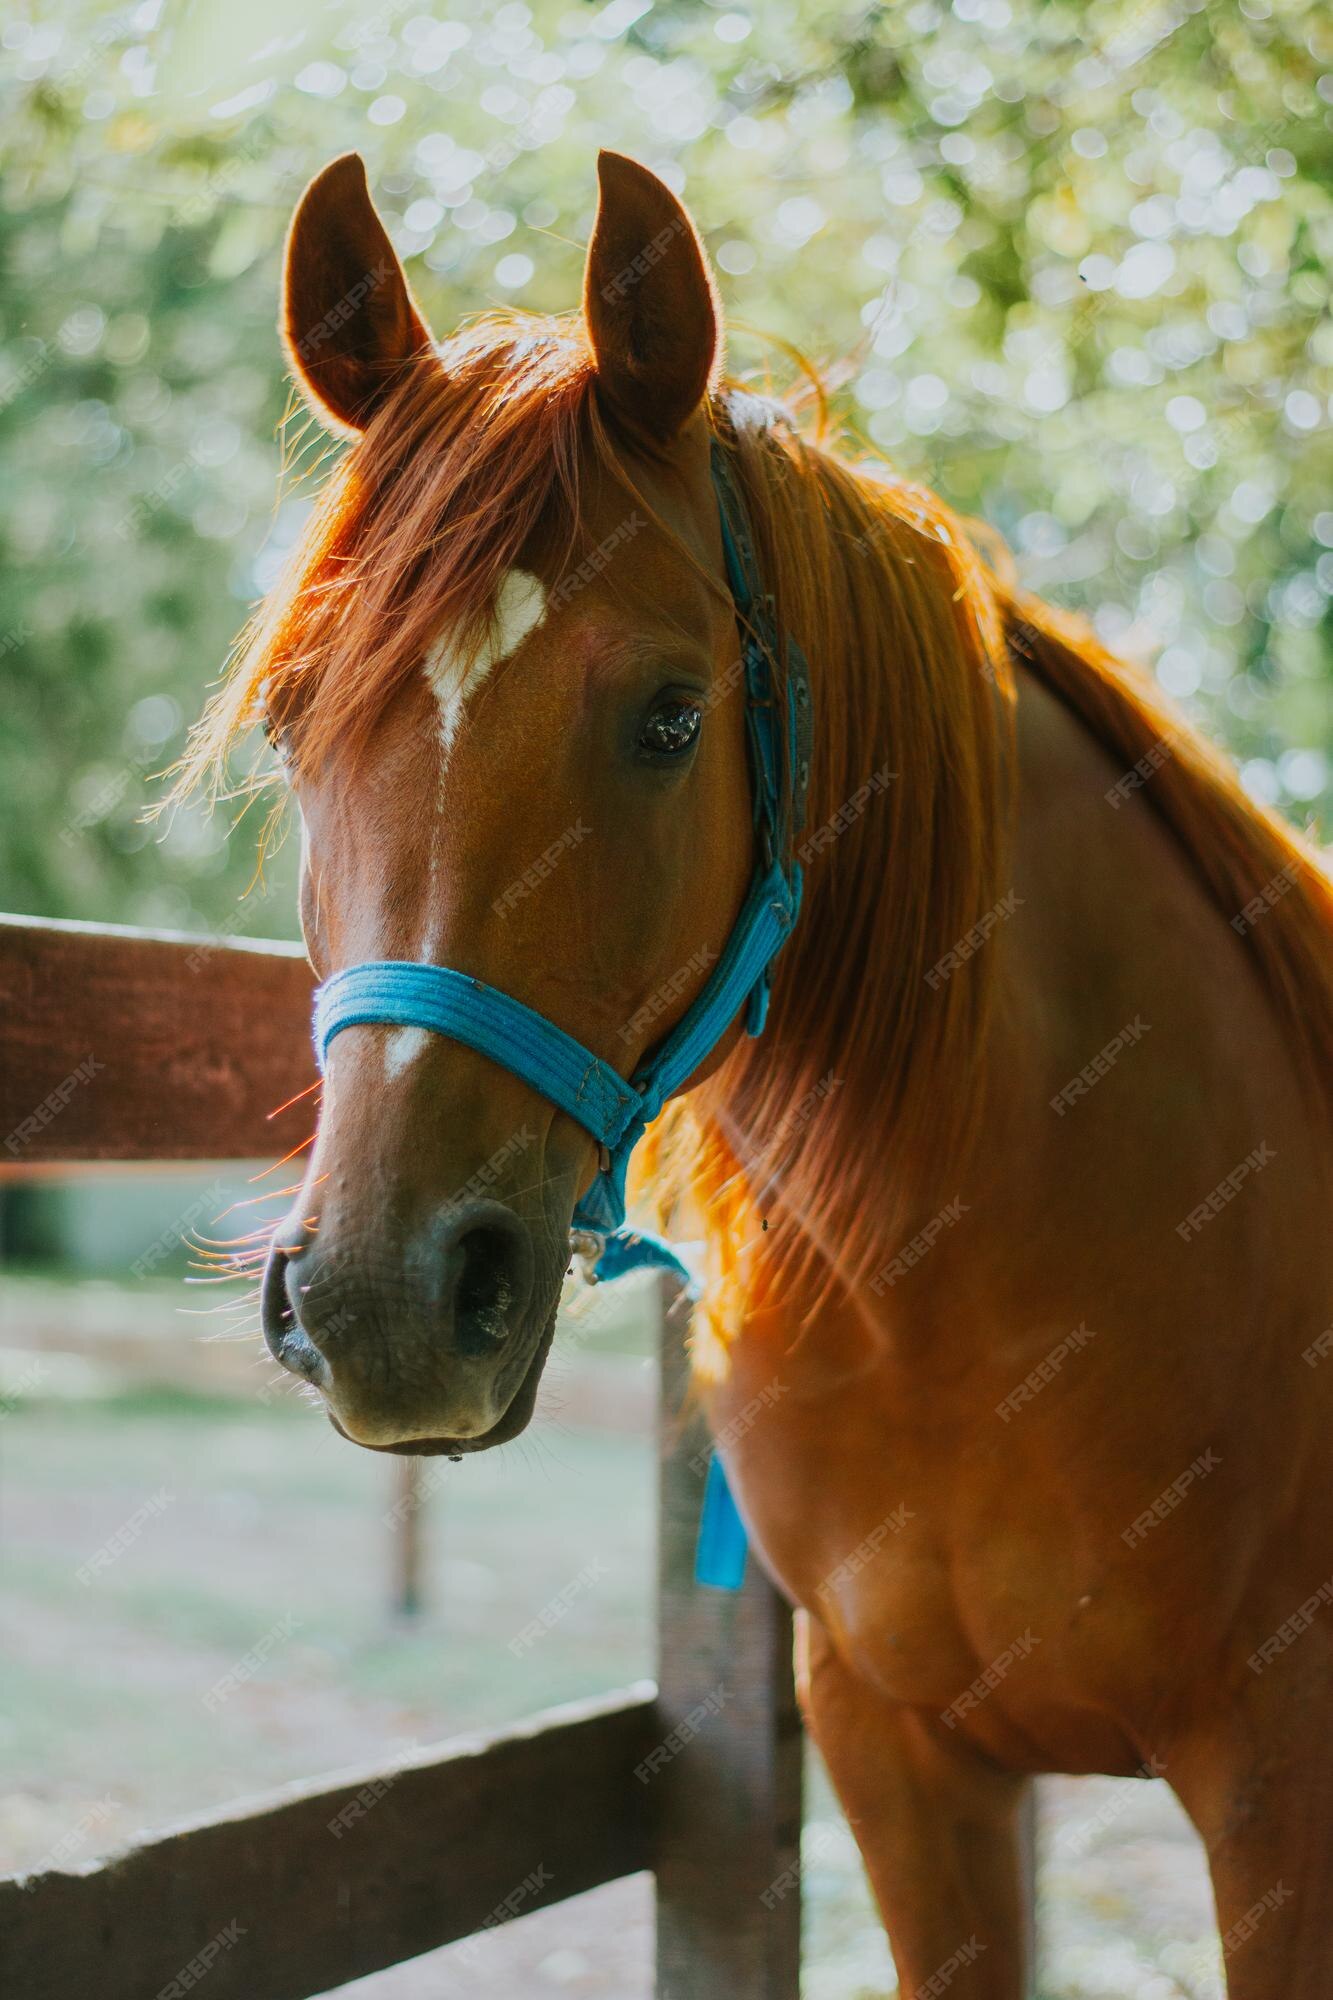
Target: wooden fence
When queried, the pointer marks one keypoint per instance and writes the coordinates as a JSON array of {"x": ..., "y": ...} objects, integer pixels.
[{"x": 123, "y": 1048}]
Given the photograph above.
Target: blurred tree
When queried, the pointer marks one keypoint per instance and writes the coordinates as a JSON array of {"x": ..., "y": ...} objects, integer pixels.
[{"x": 1079, "y": 255}]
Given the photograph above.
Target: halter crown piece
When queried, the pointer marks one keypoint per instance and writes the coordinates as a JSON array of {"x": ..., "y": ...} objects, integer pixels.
[{"x": 613, "y": 1109}]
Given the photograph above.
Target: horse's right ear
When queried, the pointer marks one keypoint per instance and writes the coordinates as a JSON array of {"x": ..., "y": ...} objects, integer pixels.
[{"x": 349, "y": 321}]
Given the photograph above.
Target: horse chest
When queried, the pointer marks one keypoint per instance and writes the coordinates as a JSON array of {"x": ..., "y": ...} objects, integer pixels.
[{"x": 853, "y": 1519}]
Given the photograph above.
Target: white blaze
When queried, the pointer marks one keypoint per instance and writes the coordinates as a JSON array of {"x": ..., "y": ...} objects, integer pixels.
[
  {"x": 454, "y": 673},
  {"x": 403, "y": 1046}
]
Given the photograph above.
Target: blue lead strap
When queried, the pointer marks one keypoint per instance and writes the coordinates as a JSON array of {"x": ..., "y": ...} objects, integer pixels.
[
  {"x": 722, "y": 1546},
  {"x": 615, "y": 1110},
  {"x": 720, "y": 1552}
]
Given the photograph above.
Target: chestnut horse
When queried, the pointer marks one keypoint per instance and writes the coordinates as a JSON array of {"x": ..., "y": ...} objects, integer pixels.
[{"x": 1019, "y": 1282}]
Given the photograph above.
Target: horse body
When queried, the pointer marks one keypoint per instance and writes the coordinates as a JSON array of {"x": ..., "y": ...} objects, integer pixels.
[
  {"x": 956, "y": 1477},
  {"x": 1016, "y": 1212}
]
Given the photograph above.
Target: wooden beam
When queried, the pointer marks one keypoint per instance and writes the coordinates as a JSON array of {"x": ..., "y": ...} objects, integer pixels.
[
  {"x": 324, "y": 1883},
  {"x": 120, "y": 1045},
  {"x": 729, "y": 1805},
  {"x": 406, "y": 1535}
]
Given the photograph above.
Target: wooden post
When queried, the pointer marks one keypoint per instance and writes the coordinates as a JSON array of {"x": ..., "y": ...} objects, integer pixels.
[
  {"x": 405, "y": 1531},
  {"x": 728, "y": 1761},
  {"x": 1029, "y": 1836}
]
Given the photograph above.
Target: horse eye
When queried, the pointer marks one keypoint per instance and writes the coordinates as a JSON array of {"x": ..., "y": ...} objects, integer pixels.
[
  {"x": 276, "y": 738},
  {"x": 671, "y": 728}
]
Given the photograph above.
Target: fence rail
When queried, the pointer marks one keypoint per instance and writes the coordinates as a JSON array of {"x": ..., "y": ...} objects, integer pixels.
[
  {"x": 283, "y": 1897},
  {"x": 134, "y": 1046},
  {"x": 125, "y": 1046}
]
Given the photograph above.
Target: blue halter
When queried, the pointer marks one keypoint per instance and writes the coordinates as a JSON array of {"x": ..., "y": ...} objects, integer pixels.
[{"x": 614, "y": 1110}]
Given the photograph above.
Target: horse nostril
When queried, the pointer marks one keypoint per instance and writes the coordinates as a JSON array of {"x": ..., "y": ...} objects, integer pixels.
[
  {"x": 287, "y": 1340},
  {"x": 488, "y": 1258}
]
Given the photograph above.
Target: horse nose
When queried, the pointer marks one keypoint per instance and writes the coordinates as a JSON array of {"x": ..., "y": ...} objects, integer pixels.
[{"x": 436, "y": 1309}]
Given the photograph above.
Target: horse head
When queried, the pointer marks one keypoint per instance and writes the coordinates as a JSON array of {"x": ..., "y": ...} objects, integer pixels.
[{"x": 497, "y": 690}]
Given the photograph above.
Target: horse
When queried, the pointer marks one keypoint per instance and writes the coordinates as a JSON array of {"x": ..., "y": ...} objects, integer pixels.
[{"x": 1018, "y": 1287}]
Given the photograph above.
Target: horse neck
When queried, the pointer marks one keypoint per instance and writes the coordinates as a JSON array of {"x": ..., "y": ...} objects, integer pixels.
[
  {"x": 905, "y": 851},
  {"x": 880, "y": 1093}
]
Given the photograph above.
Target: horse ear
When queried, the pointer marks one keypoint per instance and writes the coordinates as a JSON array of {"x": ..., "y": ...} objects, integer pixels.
[
  {"x": 349, "y": 321},
  {"x": 648, "y": 300}
]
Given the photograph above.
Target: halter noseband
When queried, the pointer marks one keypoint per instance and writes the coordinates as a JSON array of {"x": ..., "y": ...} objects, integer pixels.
[{"x": 612, "y": 1109}]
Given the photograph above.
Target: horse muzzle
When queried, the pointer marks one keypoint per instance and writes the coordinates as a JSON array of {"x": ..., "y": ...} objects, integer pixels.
[{"x": 431, "y": 1344}]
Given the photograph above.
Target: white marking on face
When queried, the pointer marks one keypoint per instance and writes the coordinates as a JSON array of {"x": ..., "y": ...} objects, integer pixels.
[
  {"x": 455, "y": 673},
  {"x": 403, "y": 1046}
]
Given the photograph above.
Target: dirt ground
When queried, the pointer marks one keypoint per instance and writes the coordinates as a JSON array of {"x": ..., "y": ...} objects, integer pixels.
[{"x": 238, "y": 1527}]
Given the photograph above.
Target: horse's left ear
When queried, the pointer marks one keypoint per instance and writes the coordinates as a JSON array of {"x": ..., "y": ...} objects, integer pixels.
[
  {"x": 648, "y": 300},
  {"x": 349, "y": 321}
]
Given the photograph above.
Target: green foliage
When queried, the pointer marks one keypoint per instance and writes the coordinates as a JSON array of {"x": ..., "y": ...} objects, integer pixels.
[{"x": 1079, "y": 256}]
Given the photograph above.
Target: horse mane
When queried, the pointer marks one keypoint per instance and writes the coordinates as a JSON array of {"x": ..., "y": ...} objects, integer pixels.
[
  {"x": 910, "y": 618},
  {"x": 476, "y": 449},
  {"x": 912, "y": 636}
]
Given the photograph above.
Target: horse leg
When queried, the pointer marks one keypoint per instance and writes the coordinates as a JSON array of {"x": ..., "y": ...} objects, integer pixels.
[
  {"x": 938, "y": 1829},
  {"x": 1258, "y": 1784}
]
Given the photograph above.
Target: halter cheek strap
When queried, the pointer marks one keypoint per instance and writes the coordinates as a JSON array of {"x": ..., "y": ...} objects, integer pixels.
[{"x": 612, "y": 1109}]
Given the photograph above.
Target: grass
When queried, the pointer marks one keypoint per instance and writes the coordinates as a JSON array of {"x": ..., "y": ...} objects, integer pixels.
[{"x": 267, "y": 1537}]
